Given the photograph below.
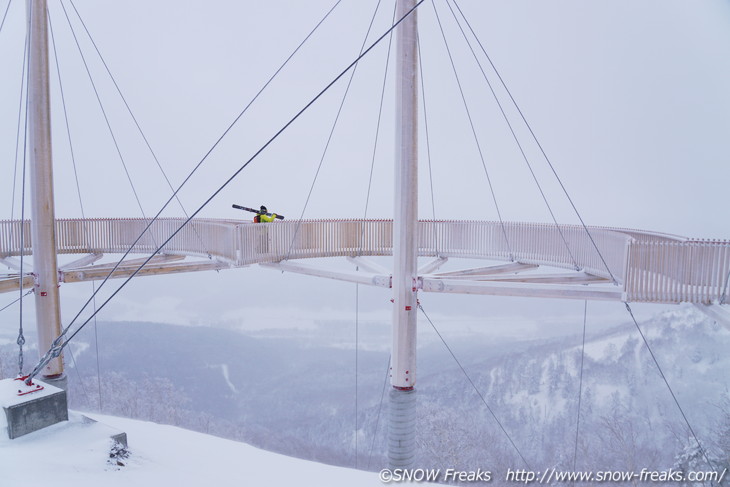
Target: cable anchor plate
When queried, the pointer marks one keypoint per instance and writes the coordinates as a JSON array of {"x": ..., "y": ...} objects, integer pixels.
[{"x": 25, "y": 388}]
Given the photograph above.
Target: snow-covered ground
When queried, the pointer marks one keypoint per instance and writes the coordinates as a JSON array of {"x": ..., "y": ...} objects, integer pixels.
[{"x": 75, "y": 453}]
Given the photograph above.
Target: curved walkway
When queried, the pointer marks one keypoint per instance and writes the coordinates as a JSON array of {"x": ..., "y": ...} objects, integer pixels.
[{"x": 632, "y": 265}]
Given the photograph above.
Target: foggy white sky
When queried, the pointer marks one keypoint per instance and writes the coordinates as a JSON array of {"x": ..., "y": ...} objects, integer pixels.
[{"x": 629, "y": 99}]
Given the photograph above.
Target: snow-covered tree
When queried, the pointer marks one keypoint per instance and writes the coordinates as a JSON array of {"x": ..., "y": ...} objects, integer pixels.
[{"x": 692, "y": 458}]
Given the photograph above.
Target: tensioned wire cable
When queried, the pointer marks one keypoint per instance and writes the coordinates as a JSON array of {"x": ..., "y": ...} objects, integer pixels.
[
  {"x": 65, "y": 118},
  {"x": 136, "y": 123},
  {"x": 309, "y": 195},
  {"x": 59, "y": 343},
  {"x": 81, "y": 380},
  {"x": 20, "y": 341},
  {"x": 81, "y": 206},
  {"x": 428, "y": 142},
  {"x": 516, "y": 139},
  {"x": 94, "y": 290},
  {"x": 329, "y": 137},
  {"x": 5, "y": 16},
  {"x": 19, "y": 125},
  {"x": 725, "y": 289},
  {"x": 357, "y": 346},
  {"x": 473, "y": 385},
  {"x": 365, "y": 213},
  {"x": 580, "y": 384},
  {"x": 200, "y": 163},
  {"x": 627, "y": 305},
  {"x": 106, "y": 118},
  {"x": 666, "y": 382},
  {"x": 474, "y": 133},
  {"x": 537, "y": 142},
  {"x": 96, "y": 347},
  {"x": 21, "y": 338},
  {"x": 26, "y": 66},
  {"x": 380, "y": 408},
  {"x": 21, "y": 98},
  {"x": 377, "y": 132},
  {"x": 15, "y": 301}
]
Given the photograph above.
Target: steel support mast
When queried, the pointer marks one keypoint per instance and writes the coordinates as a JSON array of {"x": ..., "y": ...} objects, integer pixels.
[
  {"x": 43, "y": 235},
  {"x": 402, "y": 423}
]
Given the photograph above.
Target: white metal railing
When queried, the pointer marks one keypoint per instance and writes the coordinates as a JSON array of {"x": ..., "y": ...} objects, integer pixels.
[
  {"x": 531, "y": 243},
  {"x": 115, "y": 235},
  {"x": 651, "y": 267},
  {"x": 669, "y": 272}
]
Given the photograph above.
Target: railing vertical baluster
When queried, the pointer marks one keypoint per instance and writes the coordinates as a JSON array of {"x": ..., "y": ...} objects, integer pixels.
[
  {"x": 666, "y": 251},
  {"x": 655, "y": 277}
]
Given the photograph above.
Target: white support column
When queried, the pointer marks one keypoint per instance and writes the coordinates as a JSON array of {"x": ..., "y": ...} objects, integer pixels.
[
  {"x": 48, "y": 315},
  {"x": 401, "y": 441},
  {"x": 405, "y": 224}
]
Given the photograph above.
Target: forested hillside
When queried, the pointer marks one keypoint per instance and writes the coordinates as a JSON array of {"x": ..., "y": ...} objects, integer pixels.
[{"x": 299, "y": 398}]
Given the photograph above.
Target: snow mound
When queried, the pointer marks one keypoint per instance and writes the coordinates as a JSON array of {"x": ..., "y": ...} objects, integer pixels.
[{"x": 76, "y": 453}]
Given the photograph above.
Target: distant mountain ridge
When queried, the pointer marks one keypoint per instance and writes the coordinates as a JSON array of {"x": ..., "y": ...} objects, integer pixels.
[
  {"x": 628, "y": 418},
  {"x": 298, "y": 398}
]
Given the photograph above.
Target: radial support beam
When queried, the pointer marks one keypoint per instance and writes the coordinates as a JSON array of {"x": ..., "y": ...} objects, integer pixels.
[
  {"x": 555, "y": 278},
  {"x": 157, "y": 259},
  {"x": 368, "y": 265},
  {"x": 82, "y": 262},
  {"x": 433, "y": 265},
  {"x": 97, "y": 273},
  {"x": 512, "y": 268},
  {"x": 534, "y": 290},
  {"x": 15, "y": 264},
  {"x": 10, "y": 284},
  {"x": 43, "y": 235},
  {"x": 380, "y": 280}
]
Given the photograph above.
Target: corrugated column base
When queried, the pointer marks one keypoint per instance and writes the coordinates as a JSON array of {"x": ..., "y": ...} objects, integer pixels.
[{"x": 402, "y": 429}]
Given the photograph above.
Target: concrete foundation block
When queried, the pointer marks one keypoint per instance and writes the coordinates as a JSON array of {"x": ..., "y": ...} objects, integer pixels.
[{"x": 32, "y": 411}]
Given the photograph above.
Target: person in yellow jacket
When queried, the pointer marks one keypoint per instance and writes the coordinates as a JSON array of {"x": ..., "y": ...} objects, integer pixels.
[{"x": 263, "y": 216}]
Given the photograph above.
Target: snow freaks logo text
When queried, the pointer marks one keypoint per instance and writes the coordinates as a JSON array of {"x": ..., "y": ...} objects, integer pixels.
[
  {"x": 433, "y": 475},
  {"x": 549, "y": 476}
]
